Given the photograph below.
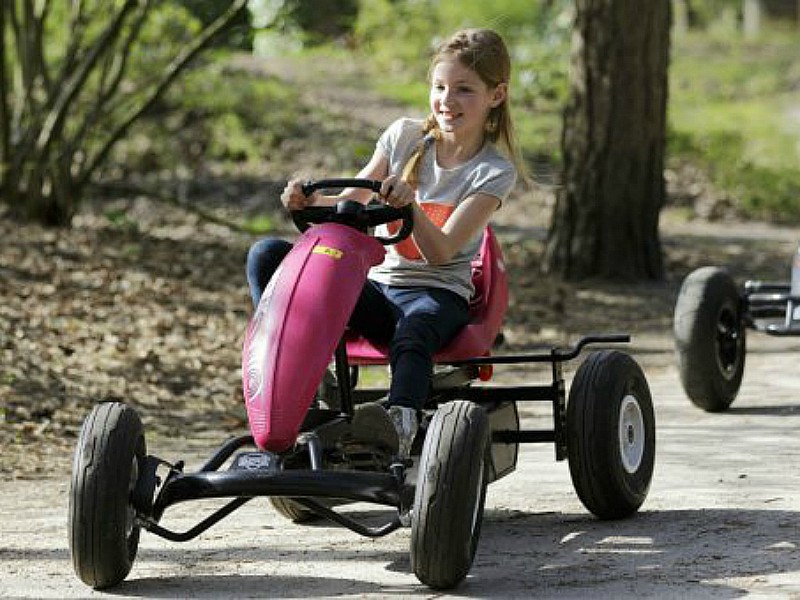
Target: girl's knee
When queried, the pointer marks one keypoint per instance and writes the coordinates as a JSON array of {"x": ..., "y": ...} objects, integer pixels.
[
  {"x": 267, "y": 248},
  {"x": 264, "y": 256},
  {"x": 417, "y": 340}
]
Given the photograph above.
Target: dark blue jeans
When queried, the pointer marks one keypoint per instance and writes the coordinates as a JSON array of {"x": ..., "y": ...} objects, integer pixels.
[{"x": 414, "y": 322}]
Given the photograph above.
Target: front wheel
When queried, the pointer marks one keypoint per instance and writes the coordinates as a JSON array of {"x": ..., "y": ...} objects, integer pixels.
[
  {"x": 710, "y": 338},
  {"x": 450, "y": 494},
  {"x": 610, "y": 434},
  {"x": 103, "y": 534}
]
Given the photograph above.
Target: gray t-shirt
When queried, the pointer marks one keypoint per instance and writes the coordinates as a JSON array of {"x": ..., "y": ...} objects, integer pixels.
[{"x": 439, "y": 192}]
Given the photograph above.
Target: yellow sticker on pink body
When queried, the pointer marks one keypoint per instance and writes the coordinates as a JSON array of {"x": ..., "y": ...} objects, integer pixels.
[{"x": 327, "y": 251}]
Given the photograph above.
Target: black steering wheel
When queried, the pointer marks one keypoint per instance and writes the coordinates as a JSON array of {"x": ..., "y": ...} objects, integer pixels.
[{"x": 354, "y": 213}]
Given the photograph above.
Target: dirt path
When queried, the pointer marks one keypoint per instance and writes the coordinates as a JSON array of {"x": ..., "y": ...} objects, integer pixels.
[{"x": 722, "y": 520}]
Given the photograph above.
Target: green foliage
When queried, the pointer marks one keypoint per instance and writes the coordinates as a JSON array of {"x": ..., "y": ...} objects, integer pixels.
[
  {"x": 214, "y": 115},
  {"x": 536, "y": 34},
  {"x": 244, "y": 115},
  {"x": 730, "y": 111},
  {"x": 240, "y": 34},
  {"x": 399, "y": 37},
  {"x": 311, "y": 22},
  {"x": 710, "y": 68},
  {"x": 763, "y": 189},
  {"x": 705, "y": 14},
  {"x": 322, "y": 20},
  {"x": 75, "y": 77},
  {"x": 503, "y": 15},
  {"x": 119, "y": 218},
  {"x": 229, "y": 120},
  {"x": 164, "y": 33},
  {"x": 362, "y": 151},
  {"x": 259, "y": 224}
]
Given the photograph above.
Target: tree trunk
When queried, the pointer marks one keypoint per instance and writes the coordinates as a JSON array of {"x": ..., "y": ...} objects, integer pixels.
[
  {"x": 605, "y": 223},
  {"x": 752, "y": 12}
]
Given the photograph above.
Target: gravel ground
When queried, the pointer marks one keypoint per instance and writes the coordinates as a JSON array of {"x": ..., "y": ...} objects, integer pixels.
[{"x": 722, "y": 520}]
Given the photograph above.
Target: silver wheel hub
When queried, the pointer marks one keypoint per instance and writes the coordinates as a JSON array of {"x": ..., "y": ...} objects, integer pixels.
[{"x": 631, "y": 434}]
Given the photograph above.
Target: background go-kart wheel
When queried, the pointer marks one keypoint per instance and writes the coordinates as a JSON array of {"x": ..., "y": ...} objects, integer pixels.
[
  {"x": 451, "y": 489},
  {"x": 710, "y": 338},
  {"x": 610, "y": 434},
  {"x": 109, "y": 455}
]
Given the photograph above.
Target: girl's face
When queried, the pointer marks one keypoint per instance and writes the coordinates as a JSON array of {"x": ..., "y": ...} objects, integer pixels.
[{"x": 460, "y": 100}]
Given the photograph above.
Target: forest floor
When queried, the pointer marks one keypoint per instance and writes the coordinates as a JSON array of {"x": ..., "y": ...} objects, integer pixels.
[{"x": 151, "y": 310}]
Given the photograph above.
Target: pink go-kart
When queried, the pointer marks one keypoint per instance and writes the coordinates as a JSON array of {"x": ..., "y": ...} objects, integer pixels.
[{"x": 301, "y": 451}]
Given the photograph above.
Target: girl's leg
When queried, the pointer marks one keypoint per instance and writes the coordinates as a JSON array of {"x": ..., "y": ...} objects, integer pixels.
[
  {"x": 431, "y": 318},
  {"x": 414, "y": 322},
  {"x": 262, "y": 262},
  {"x": 374, "y": 316}
]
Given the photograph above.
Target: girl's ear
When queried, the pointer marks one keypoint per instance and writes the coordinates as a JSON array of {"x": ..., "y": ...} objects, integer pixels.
[{"x": 500, "y": 94}]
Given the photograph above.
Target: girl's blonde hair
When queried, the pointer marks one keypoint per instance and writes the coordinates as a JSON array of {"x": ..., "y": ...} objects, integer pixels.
[{"x": 484, "y": 52}]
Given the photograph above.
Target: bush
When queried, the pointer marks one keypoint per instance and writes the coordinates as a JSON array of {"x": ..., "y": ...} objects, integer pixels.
[{"x": 79, "y": 76}]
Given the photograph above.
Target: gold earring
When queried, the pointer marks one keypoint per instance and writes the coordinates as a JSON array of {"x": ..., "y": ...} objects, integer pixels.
[{"x": 491, "y": 123}]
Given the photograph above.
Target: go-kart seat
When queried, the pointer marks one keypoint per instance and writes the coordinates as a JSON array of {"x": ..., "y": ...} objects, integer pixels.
[{"x": 487, "y": 308}]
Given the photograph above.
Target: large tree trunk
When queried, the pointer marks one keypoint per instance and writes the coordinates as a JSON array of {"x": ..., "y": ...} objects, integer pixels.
[{"x": 606, "y": 217}]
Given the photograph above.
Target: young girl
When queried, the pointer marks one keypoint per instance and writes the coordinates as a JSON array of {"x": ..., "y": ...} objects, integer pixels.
[{"x": 450, "y": 170}]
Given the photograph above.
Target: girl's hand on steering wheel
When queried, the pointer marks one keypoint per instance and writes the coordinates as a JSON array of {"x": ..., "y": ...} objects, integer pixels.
[
  {"x": 293, "y": 197},
  {"x": 396, "y": 192}
]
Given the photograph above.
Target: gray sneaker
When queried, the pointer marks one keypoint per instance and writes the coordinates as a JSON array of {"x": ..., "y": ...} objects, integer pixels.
[
  {"x": 373, "y": 425},
  {"x": 406, "y": 423}
]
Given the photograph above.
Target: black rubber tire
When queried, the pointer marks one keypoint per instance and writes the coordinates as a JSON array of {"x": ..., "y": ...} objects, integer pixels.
[
  {"x": 293, "y": 510},
  {"x": 611, "y": 434},
  {"x": 710, "y": 338},
  {"x": 109, "y": 455},
  {"x": 450, "y": 494}
]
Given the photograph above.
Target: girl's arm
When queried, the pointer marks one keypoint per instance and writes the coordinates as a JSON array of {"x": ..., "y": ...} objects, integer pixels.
[{"x": 438, "y": 246}]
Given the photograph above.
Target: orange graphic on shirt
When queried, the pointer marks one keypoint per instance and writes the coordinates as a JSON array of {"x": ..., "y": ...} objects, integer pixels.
[{"x": 438, "y": 214}]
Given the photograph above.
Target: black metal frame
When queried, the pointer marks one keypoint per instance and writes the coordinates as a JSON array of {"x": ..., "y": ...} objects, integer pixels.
[
  {"x": 257, "y": 473},
  {"x": 763, "y": 303}
]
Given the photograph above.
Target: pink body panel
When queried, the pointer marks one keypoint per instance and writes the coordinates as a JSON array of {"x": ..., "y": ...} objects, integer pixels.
[
  {"x": 487, "y": 309},
  {"x": 299, "y": 321}
]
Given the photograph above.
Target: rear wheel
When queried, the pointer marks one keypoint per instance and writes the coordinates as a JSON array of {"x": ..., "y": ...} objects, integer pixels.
[
  {"x": 103, "y": 534},
  {"x": 610, "y": 434},
  {"x": 450, "y": 494},
  {"x": 710, "y": 338}
]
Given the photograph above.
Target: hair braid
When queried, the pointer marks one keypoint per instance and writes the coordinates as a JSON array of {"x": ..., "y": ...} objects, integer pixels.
[{"x": 413, "y": 166}]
